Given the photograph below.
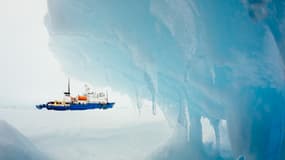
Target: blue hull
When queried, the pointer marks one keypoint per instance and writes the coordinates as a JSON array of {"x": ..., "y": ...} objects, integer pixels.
[{"x": 77, "y": 106}]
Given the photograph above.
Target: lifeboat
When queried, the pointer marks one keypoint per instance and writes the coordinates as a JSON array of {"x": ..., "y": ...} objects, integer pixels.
[{"x": 82, "y": 98}]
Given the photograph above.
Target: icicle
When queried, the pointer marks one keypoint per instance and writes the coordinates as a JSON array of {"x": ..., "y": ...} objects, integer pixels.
[
  {"x": 213, "y": 74},
  {"x": 241, "y": 157},
  {"x": 149, "y": 83},
  {"x": 187, "y": 118},
  {"x": 153, "y": 105},
  {"x": 138, "y": 101},
  {"x": 216, "y": 123}
]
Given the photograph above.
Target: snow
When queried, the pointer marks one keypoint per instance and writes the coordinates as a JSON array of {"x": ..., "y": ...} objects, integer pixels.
[
  {"x": 14, "y": 145},
  {"x": 119, "y": 133}
]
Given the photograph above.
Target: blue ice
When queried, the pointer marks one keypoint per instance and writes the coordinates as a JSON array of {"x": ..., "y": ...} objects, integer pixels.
[{"x": 222, "y": 60}]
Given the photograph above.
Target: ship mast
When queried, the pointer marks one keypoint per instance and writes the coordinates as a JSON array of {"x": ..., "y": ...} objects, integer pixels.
[
  {"x": 68, "y": 85},
  {"x": 68, "y": 89},
  {"x": 107, "y": 95}
]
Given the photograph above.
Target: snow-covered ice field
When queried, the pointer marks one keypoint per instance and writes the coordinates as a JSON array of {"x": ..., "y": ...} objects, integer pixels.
[{"x": 119, "y": 133}]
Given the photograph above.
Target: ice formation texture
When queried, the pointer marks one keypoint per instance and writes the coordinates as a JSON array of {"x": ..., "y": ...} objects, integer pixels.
[{"x": 222, "y": 60}]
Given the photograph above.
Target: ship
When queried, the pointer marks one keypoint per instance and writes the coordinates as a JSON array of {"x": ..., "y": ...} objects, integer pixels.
[{"x": 88, "y": 100}]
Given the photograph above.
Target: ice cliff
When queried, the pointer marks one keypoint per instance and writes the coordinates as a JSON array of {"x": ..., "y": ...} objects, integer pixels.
[{"x": 221, "y": 60}]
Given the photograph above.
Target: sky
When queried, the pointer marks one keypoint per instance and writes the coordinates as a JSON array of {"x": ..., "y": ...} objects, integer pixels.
[
  {"x": 28, "y": 69},
  {"x": 30, "y": 73}
]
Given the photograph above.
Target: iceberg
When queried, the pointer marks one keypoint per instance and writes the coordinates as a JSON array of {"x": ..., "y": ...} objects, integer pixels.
[
  {"x": 14, "y": 145},
  {"x": 198, "y": 59}
]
